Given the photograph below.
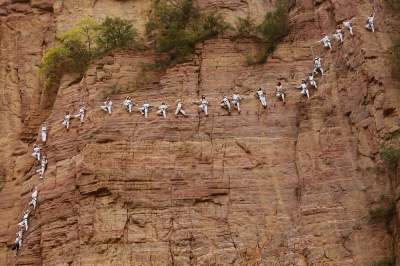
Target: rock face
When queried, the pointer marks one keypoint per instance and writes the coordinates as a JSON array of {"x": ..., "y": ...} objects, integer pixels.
[{"x": 289, "y": 185}]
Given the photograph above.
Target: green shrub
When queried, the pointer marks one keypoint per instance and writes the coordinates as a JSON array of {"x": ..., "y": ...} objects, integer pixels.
[
  {"x": 394, "y": 4},
  {"x": 391, "y": 156},
  {"x": 271, "y": 31},
  {"x": 388, "y": 261},
  {"x": 53, "y": 64},
  {"x": 383, "y": 213},
  {"x": 177, "y": 26},
  {"x": 245, "y": 28},
  {"x": 76, "y": 47},
  {"x": 115, "y": 33},
  {"x": 396, "y": 56}
]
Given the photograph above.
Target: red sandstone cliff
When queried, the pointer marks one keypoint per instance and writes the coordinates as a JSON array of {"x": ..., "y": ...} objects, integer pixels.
[{"x": 291, "y": 185}]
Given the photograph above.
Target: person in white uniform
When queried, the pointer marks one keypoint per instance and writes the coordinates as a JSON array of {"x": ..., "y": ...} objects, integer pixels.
[
  {"x": 144, "y": 110},
  {"x": 107, "y": 106},
  {"x": 262, "y": 97},
  {"x": 66, "y": 121},
  {"x": 236, "y": 101},
  {"x": 81, "y": 114},
  {"x": 349, "y": 25},
  {"x": 43, "y": 132},
  {"x": 370, "y": 23},
  {"x": 280, "y": 92},
  {"x": 326, "y": 41},
  {"x": 226, "y": 104},
  {"x": 36, "y": 152},
  {"x": 304, "y": 89},
  {"x": 179, "y": 108},
  {"x": 128, "y": 104},
  {"x": 34, "y": 198},
  {"x": 162, "y": 110}
]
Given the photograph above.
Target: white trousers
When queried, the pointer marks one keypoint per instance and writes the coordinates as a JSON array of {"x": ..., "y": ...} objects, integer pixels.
[
  {"x": 43, "y": 135},
  {"x": 33, "y": 202},
  {"x": 370, "y": 26},
  {"x": 227, "y": 106},
  {"x": 162, "y": 112},
  {"x": 236, "y": 104},
  {"x": 106, "y": 108},
  {"x": 36, "y": 155},
  {"x": 263, "y": 100},
  {"x": 144, "y": 111},
  {"x": 305, "y": 93},
  {"x": 204, "y": 108},
  {"x": 313, "y": 83},
  {"x": 179, "y": 110}
]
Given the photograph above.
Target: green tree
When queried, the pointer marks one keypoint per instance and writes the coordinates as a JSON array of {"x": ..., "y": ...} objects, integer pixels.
[
  {"x": 115, "y": 33},
  {"x": 177, "y": 26}
]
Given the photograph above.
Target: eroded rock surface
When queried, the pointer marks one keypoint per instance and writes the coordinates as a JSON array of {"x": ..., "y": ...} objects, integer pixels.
[{"x": 290, "y": 185}]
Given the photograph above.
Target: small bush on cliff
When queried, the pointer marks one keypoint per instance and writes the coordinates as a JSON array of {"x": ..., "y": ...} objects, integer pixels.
[
  {"x": 395, "y": 4},
  {"x": 87, "y": 40},
  {"x": 245, "y": 28},
  {"x": 271, "y": 31},
  {"x": 115, "y": 33},
  {"x": 396, "y": 57},
  {"x": 388, "y": 261},
  {"x": 383, "y": 213},
  {"x": 177, "y": 26},
  {"x": 390, "y": 156}
]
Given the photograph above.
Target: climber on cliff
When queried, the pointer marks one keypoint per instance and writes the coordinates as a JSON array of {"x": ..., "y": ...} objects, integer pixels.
[
  {"x": 162, "y": 110},
  {"x": 144, "y": 110},
  {"x": 303, "y": 88},
  {"x": 226, "y": 104},
  {"x": 24, "y": 223},
  {"x": 18, "y": 241},
  {"x": 43, "y": 167},
  {"x": 179, "y": 108},
  {"x": 326, "y": 41},
  {"x": 81, "y": 113},
  {"x": 262, "y": 97},
  {"x": 203, "y": 105},
  {"x": 339, "y": 34},
  {"x": 312, "y": 81},
  {"x": 318, "y": 66},
  {"x": 66, "y": 121},
  {"x": 43, "y": 132},
  {"x": 349, "y": 25},
  {"x": 370, "y": 23},
  {"x": 33, "y": 201},
  {"x": 236, "y": 101},
  {"x": 107, "y": 107},
  {"x": 128, "y": 104},
  {"x": 36, "y": 152},
  {"x": 280, "y": 93}
]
